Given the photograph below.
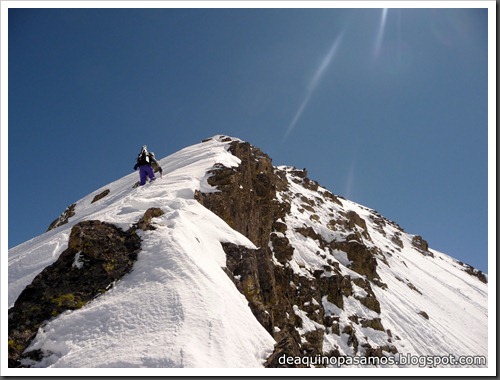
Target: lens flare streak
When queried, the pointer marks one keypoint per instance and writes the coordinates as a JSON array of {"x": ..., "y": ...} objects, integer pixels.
[
  {"x": 380, "y": 34},
  {"x": 313, "y": 84}
]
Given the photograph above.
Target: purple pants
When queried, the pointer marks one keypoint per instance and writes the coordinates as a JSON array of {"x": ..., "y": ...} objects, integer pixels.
[{"x": 144, "y": 172}]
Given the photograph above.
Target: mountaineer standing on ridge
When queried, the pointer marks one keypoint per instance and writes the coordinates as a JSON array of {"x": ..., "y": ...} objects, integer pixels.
[{"x": 145, "y": 160}]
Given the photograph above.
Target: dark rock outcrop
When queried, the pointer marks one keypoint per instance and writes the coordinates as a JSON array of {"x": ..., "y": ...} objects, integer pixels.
[
  {"x": 474, "y": 272},
  {"x": 247, "y": 198},
  {"x": 421, "y": 245},
  {"x": 100, "y": 196},
  {"x": 252, "y": 272},
  {"x": 423, "y": 314},
  {"x": 98, "y": 254},
  {"x": 64, "y": 217},
  {"x": 145, "y": 222}
]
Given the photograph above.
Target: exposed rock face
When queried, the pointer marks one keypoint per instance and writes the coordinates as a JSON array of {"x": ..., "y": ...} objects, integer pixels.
[
  {"x": 145, "y": 222},
  {"x": 252, "y": 272},
  {"x": 98, "y": 254},
  {"x": 421, "y": 245},
  {"x": 474, "y": 272},
  {"x": 99, "y": 196},
  {"x": 286, "y": 303},
  {"x": 63, "y": 218},
  {"x": 247, "y": 201}
]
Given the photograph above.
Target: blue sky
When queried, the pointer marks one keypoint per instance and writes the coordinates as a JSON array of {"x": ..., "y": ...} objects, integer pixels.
[{"x": 386, "y": 108}]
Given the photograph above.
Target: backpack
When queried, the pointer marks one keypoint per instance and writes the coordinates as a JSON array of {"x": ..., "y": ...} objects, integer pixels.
[{"x": 143, "y": 157}]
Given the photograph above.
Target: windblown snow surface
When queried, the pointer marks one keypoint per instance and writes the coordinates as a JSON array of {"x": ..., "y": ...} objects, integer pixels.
[{"x": 178, "y": 308}]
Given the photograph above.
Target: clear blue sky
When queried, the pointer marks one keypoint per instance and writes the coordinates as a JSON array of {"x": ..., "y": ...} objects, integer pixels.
[{"x": 386, "y": 108}]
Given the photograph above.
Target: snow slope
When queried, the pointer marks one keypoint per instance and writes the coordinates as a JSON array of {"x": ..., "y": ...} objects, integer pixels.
[
  {"x": 434, "y": 283},
  {"x": 177, "y": 308}
]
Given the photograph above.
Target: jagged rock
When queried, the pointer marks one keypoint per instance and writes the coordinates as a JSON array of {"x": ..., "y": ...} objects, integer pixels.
[
  {"x": 423, "y": 314},
  {"x": 247, "y": 200},
  {"x": 355, "y": 220},
  {"x": 352, "y": 340},
  {"x": 314, "y": 342},
  {"x": 421, "y": 245},
  {"x": 361, "y": 257},
  {"x": 280, "y": 227},
  {"x": 100, "y": 195},
  {"x": 309, "y": 232},
  {"x": 370, "y": 301},
  {"x": 328, "y": 195},
  {"x": 310, "y": 184},
  {"x": 286, "y": 346},
  {"x": 98, "y": 254},
  {"x": 332, "y": 324},
  {"x": 252, "y": 272},
  {"x": 379, "y": 351},
  {"x": 413, "y": 287},
  {"x": 354, "y": 318},
  {"x": 335, "y": 288},
  {"x": 283, "y": 251},
  {"x": 374, "y": 323},
  {"x": 63, "y": 218},
  {"x": 379, "y": 222},
  {"x": 474, "y": 272},
  {"x": 352, "y": 223},
  {"x": 477, "y": 273},
  {"x": 299, "y": 173},
  {"x": 396, "y": 239},
  {"x": 145, "y": 222}
]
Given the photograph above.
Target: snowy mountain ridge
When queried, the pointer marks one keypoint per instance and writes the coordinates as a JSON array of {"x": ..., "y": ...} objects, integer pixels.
[{"x": 244, "y": 265}]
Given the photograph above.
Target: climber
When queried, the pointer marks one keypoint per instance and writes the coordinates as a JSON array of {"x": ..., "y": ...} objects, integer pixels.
[{"x": 145, "y": 162}]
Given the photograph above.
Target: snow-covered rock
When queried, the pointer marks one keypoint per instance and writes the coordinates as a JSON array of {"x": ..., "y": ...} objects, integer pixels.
[{"x": 251, "y": 265}]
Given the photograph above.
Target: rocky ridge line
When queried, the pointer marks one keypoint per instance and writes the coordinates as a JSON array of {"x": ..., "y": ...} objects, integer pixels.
[{"x": 248, "y": 202}]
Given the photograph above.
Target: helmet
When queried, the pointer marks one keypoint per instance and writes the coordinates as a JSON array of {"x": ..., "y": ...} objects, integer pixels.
[{"x": 152, "y": 154}]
